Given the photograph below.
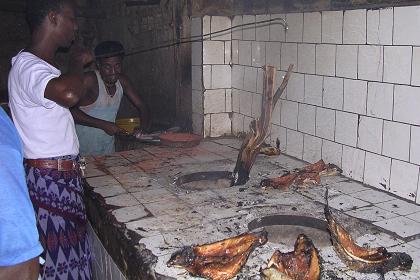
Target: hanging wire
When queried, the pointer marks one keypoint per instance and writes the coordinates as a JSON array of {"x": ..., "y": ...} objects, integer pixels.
[{"x": 204, "y": 37}]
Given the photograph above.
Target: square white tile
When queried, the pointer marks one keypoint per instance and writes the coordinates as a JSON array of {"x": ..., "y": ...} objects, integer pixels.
[
  {"x": 353, "y": 163},
  {"x": 313, "y": 89},
  {"x": 272, "y": 54},
  {"x": 206, "y": 76},
  {"x": 346, "y": 202},
  {"x": 414, "y": 146},
  {"x": 294, "y": 32},
  {"x": 370, "y": 134},
  {"x": 406, "y": 25},
  {"x": 214, "y": 101},
  {"x": 219, "y": 23},
  {"x": 380, "y": 100},
  {"x": 245, "y": 53},
  {"x": 236, "y": 31},
  {"x": 213, "y": 52},
  {"x": 296, "y": 87},
  {"x": 377, "y": 171},
  {"x": 415, "y": 77},
  {"x": 311, "y": 148},
  {"x": 347, "y": 61},
  {"x": 306, "y": 58},
  {"x": 332, "y": 152},
  {"x": 406, "y": 104},
  {"x": 238, "y": 72},
  {"x": 399, "y": 206},
  {"x": 396, "y": 140},
  {"x": 397, "y": 64},
  {"x": 289, "y": 114},
  {"x": 371, "y": 213},
  {"x": 325, "y": 60},
  {"x": 262, "y": 29},
  {"x": 355, "y": 93},
  {"x": 306, "y": 119},
  {"x": 221, "y": 125},
  {"x": 379, "y": 24},
  {"x": 277, "y": 30},
  {"x": 294, "y": 146},
  {"x": 235, "y": 51},
  {"x": 332, "y": 26},
  {"x": 333, "y": 93},
  {"x": 402, "y": 226},
  {"x": 245, "y": 103},
  {"x": 221, "y": 76},
  {"x": 288, "y": 55},
  {"x": 312, "y": 27},
  {"x": 346, "y": 128},
  {"x": 354, "y": 27},
  {"x": 404, "y": 179},
  {"x": 370, "y": 63},
  {"x": 250, "y": 79},
  {"x": 325, "y": 123},
  {"x": 258, "y": 53},
  {"x": 249, "y": 32}
]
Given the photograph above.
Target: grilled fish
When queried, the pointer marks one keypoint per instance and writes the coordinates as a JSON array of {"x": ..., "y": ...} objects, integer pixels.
[
  {"x": 219, "y": 260},
  {"x": 363, "y": 259},
  {"x": 307, "y": 175},
  {"x": 301, "y": 264}
]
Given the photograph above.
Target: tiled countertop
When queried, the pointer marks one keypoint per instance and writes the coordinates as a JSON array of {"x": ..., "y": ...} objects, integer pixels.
[{"x": 133, "y": 192}]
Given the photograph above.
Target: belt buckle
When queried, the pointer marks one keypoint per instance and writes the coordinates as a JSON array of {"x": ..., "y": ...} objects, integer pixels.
[{"x": 60, "y": 164}]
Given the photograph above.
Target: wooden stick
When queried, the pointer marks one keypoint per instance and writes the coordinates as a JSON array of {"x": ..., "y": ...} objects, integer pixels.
[{"x": 259, "y": 128}]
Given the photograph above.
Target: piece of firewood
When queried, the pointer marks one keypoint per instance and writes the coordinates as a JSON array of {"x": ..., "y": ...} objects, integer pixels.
[{"x": 259, "y": 128}]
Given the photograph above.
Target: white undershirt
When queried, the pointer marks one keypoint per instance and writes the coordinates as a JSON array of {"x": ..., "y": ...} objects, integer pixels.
[{"x": 46, "y": 128}]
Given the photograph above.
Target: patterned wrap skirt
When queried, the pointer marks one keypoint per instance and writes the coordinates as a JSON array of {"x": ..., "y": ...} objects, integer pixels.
[{"x": 57, "y": 197}]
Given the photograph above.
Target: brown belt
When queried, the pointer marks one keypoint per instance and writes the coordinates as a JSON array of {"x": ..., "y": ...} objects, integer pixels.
[{"x": 59, "y": 164}]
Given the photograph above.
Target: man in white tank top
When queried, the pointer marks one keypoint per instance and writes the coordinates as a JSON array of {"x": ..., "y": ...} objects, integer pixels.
[{"x": 95, "y": 114}]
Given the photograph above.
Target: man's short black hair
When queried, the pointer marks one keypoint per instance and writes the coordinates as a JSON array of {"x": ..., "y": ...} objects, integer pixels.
[
  {"x": 36, "y": 10},
  {"x": 109, "y": 49}
]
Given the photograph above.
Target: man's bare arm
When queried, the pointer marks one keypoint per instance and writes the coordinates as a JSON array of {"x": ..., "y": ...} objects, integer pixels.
[{"x": 28, "y": 270}]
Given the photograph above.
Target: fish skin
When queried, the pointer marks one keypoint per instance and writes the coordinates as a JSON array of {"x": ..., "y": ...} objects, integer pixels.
[
  {"x": 363, "y": 259},
  {"x": 302, "y": 263},
  {"x": 220, "y": 260}
]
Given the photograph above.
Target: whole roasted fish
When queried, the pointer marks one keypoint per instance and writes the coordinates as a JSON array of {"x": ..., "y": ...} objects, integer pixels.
[
  {"x": 363, "y": 259},
  {"x": 301, "y": 264},
  {"x": 219, "y": 260}
]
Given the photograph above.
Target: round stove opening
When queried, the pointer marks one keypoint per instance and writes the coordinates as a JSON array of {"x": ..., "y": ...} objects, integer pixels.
[
  {"x": 286, "y": 228},
  {"x": 205, "y": 180}
]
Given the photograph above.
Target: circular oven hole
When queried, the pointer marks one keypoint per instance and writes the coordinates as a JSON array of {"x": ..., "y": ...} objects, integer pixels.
[
  {"x": 286, "y": 228},
  {"x": 205, "y": 180}
]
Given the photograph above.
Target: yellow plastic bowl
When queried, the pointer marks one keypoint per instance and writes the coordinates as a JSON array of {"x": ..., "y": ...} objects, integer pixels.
[{"x": 128, "y": 124}]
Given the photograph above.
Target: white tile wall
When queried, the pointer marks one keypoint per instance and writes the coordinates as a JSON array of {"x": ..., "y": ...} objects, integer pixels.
[
  {"x": 404, "y": 179},
  {"x": 397, "y": 64},
  {"x": 377, "y": 171},
  {"x": 272, "y": 51},
  {"x": 346, "y": 128},
  {"x": 406, "y": 23},
  {"x": 311, "y": 148},
  {"x": 258, "y": 53},
  {"x": 354, "y": 27},
  {"x": 219, "y": 23},
  {"x": 325, "y": 60},
  {"x": 370, "y": 61},
  {"x": 295, "y": 31},
  {"x": 213, "y": 52},
  {"x": 380, "y": 100},
  {"x": 289, "y": 114},
  {"x": 312, "y": 27},
  {"x": 220, "y": 125},
  {"x": 277, "y": 30},
  {"x": 214, "y": 101},
  {"x": 197, "y": 123},
  {"x": 407, "y": 104},
  {"x": 221, "y": 76},
  {"x": 333, "y": 93},
  {"x": 288, "y": 55},
  {"x": 353, "y": 163},
  {"x": 306, "y": 58},
  {"x": 325, "y": 123},
  {"x": 332, "y": 27},
  {"x": 370, "y": 134},
  {"x": 415, "y": 77},
  {"x": 296, "y": 87},
  {"x": 347, "y": 61},
  {"x": 313, "y": 90},
  {"x": 396, "y": 133},
  {"x": 332, "y": 152},
  {"x": 306, "y": 119},
  {"x": 414, "y": 145},
  {"x": 379, "y": 26},
  {"x": 248, "y": 33},
  {"x": 355, "y": 93},
  {"x": 354, "y": 99},
  {"x": 294, "y": 146}
]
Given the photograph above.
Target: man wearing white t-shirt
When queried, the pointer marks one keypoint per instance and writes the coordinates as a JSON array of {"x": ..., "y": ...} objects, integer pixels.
[{"x": 40, "y": 96}]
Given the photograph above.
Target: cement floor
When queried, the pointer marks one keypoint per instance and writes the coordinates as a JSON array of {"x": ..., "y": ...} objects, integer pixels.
[{"x": 139, "y": 184}]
